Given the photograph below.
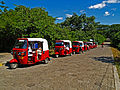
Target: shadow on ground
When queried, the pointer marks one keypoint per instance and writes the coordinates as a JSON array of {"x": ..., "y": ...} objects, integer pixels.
[
  {"x": 104, "y": 59},
  {"x": 27, "y": 66}
]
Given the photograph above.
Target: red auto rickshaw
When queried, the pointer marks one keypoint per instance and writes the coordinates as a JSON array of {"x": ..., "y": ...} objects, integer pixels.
[
  {"x": 95, "y": 44},
  {"x": 63, "y": 47},
  {"x": 29, "y": 51},
  {"x": 90, "y": 44},
  {"x": 86, "y": 47},
  {"x": 77, "y": 46}
]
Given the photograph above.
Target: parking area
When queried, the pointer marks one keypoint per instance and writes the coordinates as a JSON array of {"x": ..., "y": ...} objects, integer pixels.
[{"x": 92, "y": 70}]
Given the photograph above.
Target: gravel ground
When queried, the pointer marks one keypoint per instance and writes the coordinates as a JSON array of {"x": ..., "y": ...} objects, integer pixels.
[{"x": 92, "y": 70}]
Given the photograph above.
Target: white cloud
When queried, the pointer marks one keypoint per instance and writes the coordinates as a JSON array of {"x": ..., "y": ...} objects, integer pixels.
[
  {"x": 103, "y": 4},
  {"x": 106, "y": 13},
  {"x": 82, "y": 11},
  {"x": 111, "y": 1},
  {"x": 113, "y": 14},
  {"x": 59, "y": 18},
  {"x": 68, "y": 15}
]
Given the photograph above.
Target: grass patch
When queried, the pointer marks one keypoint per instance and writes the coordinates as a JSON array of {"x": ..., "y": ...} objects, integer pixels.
[{"x": 116, "y": 55}]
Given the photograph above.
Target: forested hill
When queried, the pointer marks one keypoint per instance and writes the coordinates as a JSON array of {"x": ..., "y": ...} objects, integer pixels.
[{"x": 23, "y": 22}]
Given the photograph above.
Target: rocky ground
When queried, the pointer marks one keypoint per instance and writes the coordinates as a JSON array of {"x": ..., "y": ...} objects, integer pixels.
[{"x": 92, "y": 70}]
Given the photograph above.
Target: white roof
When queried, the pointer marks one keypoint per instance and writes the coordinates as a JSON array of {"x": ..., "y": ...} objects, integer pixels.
[
  {"x": 90, "y": 42},
  {"x": 45, "y": 43},
  {"x": 82, "y": 43},
  {"x": 68, "y": 42}
]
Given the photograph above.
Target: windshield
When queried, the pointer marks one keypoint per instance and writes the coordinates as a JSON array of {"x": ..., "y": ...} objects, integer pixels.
[
  {"x": 22, "y": 44},
  {"x": 59, "y": 44},
  {"x": 75, "y": 43},
  {"x": 80, "y": 44}
]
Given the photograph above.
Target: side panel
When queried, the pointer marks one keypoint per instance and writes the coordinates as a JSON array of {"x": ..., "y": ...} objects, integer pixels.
[
  {"x": 45, "y": 54},
  {"x": 70, "y": 51},
  {"x": 82, "y": 48}
]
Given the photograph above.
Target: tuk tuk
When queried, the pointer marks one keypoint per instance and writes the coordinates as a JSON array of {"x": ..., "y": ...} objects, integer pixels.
[
  {"x": 29, "y": 51},
  {"x": 77, "y": 46},
  {"x": 63, "y": 47},
  {"x": 86, "y": 47},
  {"x": 90, "y": 44},
  {"x": 95, "y": 44}
]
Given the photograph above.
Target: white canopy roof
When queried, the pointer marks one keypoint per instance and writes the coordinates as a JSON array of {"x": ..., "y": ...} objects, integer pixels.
[
  {"x": 82, "y": 43},
  {"x": 45, "y": 43},
  {"x": 68, "y": 42}
]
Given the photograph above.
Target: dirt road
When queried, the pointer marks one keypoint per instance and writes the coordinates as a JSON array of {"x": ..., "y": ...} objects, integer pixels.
[{"x": 92, "y": 70}]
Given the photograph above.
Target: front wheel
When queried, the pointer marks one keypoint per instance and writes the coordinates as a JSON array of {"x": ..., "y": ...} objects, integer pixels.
[
  {"x": 56, "y": 55},
  {"x": 70, "y": 54},
  {"x": 82, "y": 51},
  {"x": 73, "y": 52},
  {"x": 46, "y": 61},
  {"x": 13, "y": 65}
]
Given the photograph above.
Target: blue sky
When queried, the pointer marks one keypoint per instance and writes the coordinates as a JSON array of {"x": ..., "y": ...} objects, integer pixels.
[{"x": 105, "y": 11}]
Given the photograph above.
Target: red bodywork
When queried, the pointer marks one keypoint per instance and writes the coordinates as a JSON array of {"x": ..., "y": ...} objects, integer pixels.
[
  {"x": 77, "y": 48},
  {"x": 24, "y": 59},
  {"x": 60, "y": 50},
  {"x": 86, "y": 46},
  {"x": 91, "y": 46},
  {"x": 94, "y": 44}
]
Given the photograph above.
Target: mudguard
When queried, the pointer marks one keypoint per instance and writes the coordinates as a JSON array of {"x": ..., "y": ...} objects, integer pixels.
[
  {"x": 13, "y": 61},
  {"x": 56, "y": 52}
]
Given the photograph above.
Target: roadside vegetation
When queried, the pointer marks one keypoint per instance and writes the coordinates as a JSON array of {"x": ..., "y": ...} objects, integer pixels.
[
  {"x": 25, "y": 22},
  {"x": 116, "y": 55}
]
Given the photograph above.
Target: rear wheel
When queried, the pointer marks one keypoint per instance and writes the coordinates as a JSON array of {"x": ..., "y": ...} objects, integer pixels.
[
  {"x": 56, "y": 55},
  {"x": 82, "y": 51},
  {"x": 13, "y": 65},
  {"x": 46, "y": 61},
  {"x": 73, "y": 52}
]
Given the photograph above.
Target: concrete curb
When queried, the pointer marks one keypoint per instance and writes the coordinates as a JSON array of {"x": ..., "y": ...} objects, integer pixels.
[
  {"x": 117, "y": 83},
  {"x": 116, "y": 77}
]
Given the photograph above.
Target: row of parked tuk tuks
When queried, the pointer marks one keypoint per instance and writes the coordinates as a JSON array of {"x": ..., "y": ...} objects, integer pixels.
[{"x": 27, "y": 51}]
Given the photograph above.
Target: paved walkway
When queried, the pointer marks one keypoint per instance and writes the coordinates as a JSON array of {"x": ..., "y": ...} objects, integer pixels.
[{"x": 93, "y": 70}]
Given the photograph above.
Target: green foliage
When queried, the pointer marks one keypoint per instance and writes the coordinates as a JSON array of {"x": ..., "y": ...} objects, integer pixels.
[
  {"x": 83, "y": 27},
  {"x": 116, "y": 39},
  {"x": 99, "y": 38},
  {"x": 112, "y": 32},
  {"x": 24, "y": 22}
]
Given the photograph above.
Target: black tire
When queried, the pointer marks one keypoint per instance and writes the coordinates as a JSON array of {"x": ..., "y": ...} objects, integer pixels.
[
  {"x": 13, "y": 65},
  {"x": 56, "y": 55},
  {"x": 70, "y": 54},
  {"x": 46, "y": 61},
  {"x": 73, "y": 52},
  {"x": 82, "y": 51}
]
